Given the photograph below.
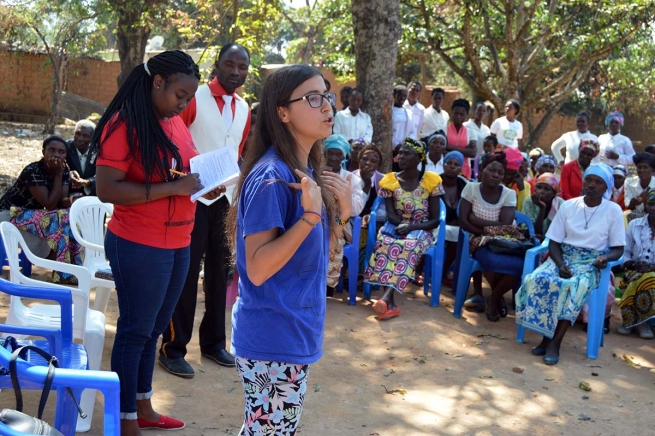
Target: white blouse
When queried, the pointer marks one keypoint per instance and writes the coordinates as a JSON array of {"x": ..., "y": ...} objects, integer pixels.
[
  {"x": 639, "y": 243},
  {"x": 570, "y": 141},
  {"x": 619, "y": 144},
  {"x": 633, "y": 189}
]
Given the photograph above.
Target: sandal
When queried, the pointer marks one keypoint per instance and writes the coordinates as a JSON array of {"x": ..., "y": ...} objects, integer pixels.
[
  {"x": 491, "y": 317},
  {"x": 389, "y": 314},
  {"x": 504, "y": 308},
  {"x": 380, "y": 307}
]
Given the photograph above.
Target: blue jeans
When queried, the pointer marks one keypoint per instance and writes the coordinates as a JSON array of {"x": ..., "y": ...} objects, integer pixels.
[{"x": 149, "y": 282}]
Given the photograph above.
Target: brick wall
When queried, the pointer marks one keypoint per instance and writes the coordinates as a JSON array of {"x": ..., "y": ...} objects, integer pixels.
[{"x": 26, "y": 83}]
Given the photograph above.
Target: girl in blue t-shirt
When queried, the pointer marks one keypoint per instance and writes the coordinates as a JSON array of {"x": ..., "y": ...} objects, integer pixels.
[{"x": 284, "y": 221}]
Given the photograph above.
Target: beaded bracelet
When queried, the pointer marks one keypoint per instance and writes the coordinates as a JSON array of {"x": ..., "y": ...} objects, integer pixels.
[{"x": 339, "y": 221}]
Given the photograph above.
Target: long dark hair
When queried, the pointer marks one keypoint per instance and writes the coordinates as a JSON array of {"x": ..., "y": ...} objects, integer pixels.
[
  {"x": 271, "y": 132},
  {"x": 132, "y": 105}
]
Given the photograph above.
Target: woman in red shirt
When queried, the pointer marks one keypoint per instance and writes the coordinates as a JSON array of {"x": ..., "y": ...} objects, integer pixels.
[
  {"x": 572, "y": 171},
  {"x": 457, "y": 134},
  {"x": 144, "y": 150}
]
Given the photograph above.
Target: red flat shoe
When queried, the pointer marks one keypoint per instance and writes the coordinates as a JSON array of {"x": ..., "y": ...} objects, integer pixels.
[
  {"x": 389, "y": 314},
  {"x": 164, "y": 423},
  {"x": 380, "y": 306}
]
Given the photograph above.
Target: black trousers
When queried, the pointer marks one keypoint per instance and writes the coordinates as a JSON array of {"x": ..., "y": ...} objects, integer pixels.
[{"x": 208, "y": 237}]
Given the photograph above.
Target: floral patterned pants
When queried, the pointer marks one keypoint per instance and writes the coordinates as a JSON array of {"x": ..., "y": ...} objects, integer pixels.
[{"x": 274, "y": 394}]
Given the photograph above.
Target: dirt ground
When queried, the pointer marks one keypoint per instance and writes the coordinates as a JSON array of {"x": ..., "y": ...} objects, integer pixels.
[{"x": 423, "y": 373}]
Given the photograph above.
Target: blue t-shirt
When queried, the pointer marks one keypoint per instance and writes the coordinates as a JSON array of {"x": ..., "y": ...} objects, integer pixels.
[{"x": 283, "y": 319}]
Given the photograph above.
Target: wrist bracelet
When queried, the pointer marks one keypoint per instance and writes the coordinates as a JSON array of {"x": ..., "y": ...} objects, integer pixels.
[
  {"x": 339, "y": 221},
  {"x": 302, "y": 218},
  {"x": 311, "y": 212}
]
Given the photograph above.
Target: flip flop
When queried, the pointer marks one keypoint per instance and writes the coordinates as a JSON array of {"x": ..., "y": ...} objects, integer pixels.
[
  {"x": 389, "y": 314},
  {"x": 380, "y": 307}
]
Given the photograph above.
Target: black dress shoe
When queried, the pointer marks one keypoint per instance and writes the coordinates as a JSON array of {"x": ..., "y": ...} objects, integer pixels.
[
  {"x": 178, "y": 367},
  {"x": 222, "y": 357}
]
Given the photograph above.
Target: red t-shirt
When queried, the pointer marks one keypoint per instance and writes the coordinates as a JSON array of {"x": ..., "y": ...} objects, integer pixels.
[
  {"x": 164, "y": 223},
  {"x": 459, "y": 139}
]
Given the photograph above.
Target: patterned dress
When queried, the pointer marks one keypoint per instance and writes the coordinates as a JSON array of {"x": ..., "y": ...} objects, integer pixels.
[{"x": 394, "y": 259}]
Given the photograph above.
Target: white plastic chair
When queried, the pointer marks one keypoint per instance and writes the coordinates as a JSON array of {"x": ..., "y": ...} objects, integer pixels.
[
  {"x": 87, "y": 220},
  {"x": 88, "y": 324}
]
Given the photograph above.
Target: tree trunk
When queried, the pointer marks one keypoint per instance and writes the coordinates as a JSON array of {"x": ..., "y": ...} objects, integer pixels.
[
  {"x": 59, "y": 69},
  {"x": 376, "y": 25},
  {"x": 132, "y": 37},
  {"x": 534, "y": 133}
]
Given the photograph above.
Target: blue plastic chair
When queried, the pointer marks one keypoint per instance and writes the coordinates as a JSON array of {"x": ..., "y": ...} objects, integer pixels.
[
  {"x": 72, "y": 358},
  {"x": 465, "y": 265},
  {"x": 351, "y": 258},
  {"x": 370, "y": 240},
  {"x": 434, "y": 259},
  {"x": 24, "y": 261},
  {"x": 596, "y": 300}
]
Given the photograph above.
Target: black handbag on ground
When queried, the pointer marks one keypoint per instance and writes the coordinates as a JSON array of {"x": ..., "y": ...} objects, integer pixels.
[{"x": 16, "y": 419}]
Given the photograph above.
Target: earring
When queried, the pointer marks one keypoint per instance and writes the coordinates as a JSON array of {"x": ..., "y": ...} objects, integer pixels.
[{"x": 157, "y": 87}]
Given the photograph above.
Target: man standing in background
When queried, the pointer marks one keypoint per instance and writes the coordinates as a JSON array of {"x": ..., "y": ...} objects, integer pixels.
[
  {"x": 412, "y": 103},
  {"x": 217, "y": 117}
]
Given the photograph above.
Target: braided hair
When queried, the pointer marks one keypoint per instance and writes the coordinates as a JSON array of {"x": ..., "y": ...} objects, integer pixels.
[{"x": 147, "y": 142}]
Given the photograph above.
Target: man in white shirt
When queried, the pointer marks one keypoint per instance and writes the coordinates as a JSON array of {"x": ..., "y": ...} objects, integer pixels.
[
  {"x": 82, "y": 165},
  {"x": 476, "y": 128},
  {"x": 435, "y": 118},
  {"x": 352, "y": 122},
  {"x": 615, "y": 148},
  {"x": 412, "y": 103},
  {"x": 402, "y": 124}
]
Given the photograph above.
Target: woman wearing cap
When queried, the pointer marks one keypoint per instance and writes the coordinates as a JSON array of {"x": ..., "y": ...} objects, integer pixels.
[
  {"x": 545, "y": 164},
  {"x": 618, "y": 193},
  {"x": 542, "y": 206},
  {"x": 638, "y": 299},
  {"x": 352, "y": 163},
  {"x": 514, "y": 180},
  {"x": 637, "y": 187},
  {"x": 571, "y": 177},
  {"x": 335, "y": 150},
  {"x": 412, "y": 202},
  {"x": 615, "y": 148},
  {"x": 534, "y": 155},
  {"x": 586, "y": 233},
  {"x": 570, "y": 140},
  {"x": 487, "y": 208}
]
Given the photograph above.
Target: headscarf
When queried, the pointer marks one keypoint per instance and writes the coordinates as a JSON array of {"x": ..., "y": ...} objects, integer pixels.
[
  {"x": 526, "y": 156},
  {"x": 494, "y": 156},
  {"x": 536, "y": 152},
  {"x": 605, "y": 172},
  {"x": 514, "y": 158},
  {"x": 620, "y": 170},
  {"x": 544, "y": 159},
  {"x": 419, "y": 148},
  {"x": 644, "y": 157},
  {"x": 459, "y": 157},
  {"x": 590, "y": 143},
  {"x": 616, "y": 115},
  {"x": 359, "y": 141},
  {"x": 435, "y": 136},
  {"x": 550, "y": 179},
  {"x": 337, "y": 142}
]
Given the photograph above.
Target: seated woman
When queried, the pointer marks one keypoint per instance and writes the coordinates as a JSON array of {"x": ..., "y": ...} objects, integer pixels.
[
  {"x": 352, "y": 163},
  {"x": 514, "y": 180},
  {"x": 636, "y": 187},
  {"x": 534, "y": 155},
  {"x": 553, "y": 295},
  {"x": 38, "y": 203},
  {"x": 370, "y": 160},
  {"x": 571, "y": 177},
  {"x": 489, "y": 145},
  {"x": 335, "y": 150},
  {"x": 545, "y": 164},
  {"x": 437, "y": 143},
  {"x": 453, "y": 184},
  {"x": 638, "y": 299},
  {"x": 618, "y": 193},
  {"x": 412, "y": 201},
  {"x": 488, "y": 206},
  {"x": 542, "y": 206}
]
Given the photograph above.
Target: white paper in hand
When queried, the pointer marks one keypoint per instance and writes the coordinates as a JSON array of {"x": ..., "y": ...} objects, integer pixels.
[{"x": 216, "y": 168}]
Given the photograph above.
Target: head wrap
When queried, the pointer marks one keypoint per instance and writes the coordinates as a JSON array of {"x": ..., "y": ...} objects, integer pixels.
[
  {"x": 545, "y": 159},
  {"x": 536, "y": 152},
  {"x": 605, "y": 172},
  {"x": 616, "y": 115},
  {"x": 459, "y": 157},
  {"x": 550, "y": 179},
  {"x": 589, "y": 143},
  {"x": 337, "y": 142},
  {"x": 514, "y": 158},
  {"x": 435, "y": 136},
  {"x": 620, "y": 170},
  {"x": 359, "y": 141},
  {"x": 419, "y": 148},
  {"x": 494, "y": 156},
  {"x": 526, "y": 156},
  {"x": 644, "y": 157}
]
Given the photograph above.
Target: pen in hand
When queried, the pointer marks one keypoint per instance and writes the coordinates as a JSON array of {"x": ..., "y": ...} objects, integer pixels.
[{"x": 172, "y": 171}]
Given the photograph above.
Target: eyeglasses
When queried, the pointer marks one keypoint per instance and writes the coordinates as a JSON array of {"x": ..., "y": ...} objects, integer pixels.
[{"x": 316, "y": 100}]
